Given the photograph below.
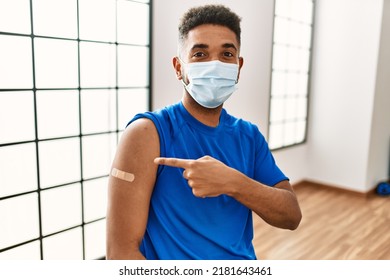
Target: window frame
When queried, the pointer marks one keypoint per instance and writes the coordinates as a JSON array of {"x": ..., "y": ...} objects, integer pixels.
[
  {"x": 80, "y": 135},
  {"x": 308, "y": 86}
]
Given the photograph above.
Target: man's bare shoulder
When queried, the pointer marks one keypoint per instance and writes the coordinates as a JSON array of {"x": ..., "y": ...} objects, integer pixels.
[
  {"x": 141, "y": 125},
  {"x": 142, "y": 128},
  {"x": 139, "y": 141}
]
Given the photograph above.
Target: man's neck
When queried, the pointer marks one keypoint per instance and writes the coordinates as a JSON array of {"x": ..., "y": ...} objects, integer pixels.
[{"x": 209, "y": 117}]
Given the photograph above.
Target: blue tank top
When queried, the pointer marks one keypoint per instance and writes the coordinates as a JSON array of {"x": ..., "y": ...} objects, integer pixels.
[{"x": 182, "y": 226}]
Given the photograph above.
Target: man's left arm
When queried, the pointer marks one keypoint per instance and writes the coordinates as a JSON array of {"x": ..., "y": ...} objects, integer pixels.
[
  {"x": 277, "y": 205},
  {"x": 209, "y": 177}
]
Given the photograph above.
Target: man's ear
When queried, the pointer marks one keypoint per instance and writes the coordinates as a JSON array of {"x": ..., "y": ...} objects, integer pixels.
[
  {"x": 240, "y": 64},
  {"x": 177, "y": 66}
]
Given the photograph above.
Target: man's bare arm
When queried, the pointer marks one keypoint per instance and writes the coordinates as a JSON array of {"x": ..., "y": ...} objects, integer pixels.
[{"x": 130, "y": 187}]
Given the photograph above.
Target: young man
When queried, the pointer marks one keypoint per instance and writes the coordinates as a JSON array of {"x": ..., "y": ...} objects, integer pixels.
[{"x": 186, "y": 179}]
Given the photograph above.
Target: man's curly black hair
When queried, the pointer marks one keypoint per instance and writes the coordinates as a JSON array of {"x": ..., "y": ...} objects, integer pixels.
[{"x": 209, "y": 14}]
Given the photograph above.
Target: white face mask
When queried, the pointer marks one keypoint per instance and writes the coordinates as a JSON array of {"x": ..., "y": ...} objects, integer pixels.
[{"x": 211, "y": 83}]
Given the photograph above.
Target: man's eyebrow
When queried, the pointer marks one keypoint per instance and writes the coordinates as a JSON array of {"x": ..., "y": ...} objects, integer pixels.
[
  {"x": 205, "y": 46},
  {"x": 200, "y": 46},
  {"x": 229, "y": 45}
]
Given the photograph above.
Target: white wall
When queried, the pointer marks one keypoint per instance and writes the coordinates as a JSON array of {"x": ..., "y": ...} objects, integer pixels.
[
  {"x": 379, "y": 153},
  {"x": 345, "y": 89}
]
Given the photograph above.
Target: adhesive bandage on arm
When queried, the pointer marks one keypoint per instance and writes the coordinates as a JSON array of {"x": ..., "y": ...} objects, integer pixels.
[{"x": 129, "y": 177}]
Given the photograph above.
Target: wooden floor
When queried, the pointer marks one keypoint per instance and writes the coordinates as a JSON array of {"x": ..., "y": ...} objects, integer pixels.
[{"x": 336, "y": 225}]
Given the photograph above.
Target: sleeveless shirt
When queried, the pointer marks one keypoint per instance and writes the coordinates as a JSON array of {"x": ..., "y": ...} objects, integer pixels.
[{"x": 182, "y": 226}]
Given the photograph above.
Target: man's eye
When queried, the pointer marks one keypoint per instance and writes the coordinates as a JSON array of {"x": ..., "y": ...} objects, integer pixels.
[
  {"x": 228, "y": 54},
  {"x": 199, "y": 54}
]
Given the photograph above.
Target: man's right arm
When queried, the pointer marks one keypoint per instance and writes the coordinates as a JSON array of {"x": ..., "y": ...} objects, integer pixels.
[{"x": 128, "y": 202}]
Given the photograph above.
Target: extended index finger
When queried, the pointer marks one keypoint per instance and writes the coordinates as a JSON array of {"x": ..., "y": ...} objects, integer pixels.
[{"x": 173, "y": 162}]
